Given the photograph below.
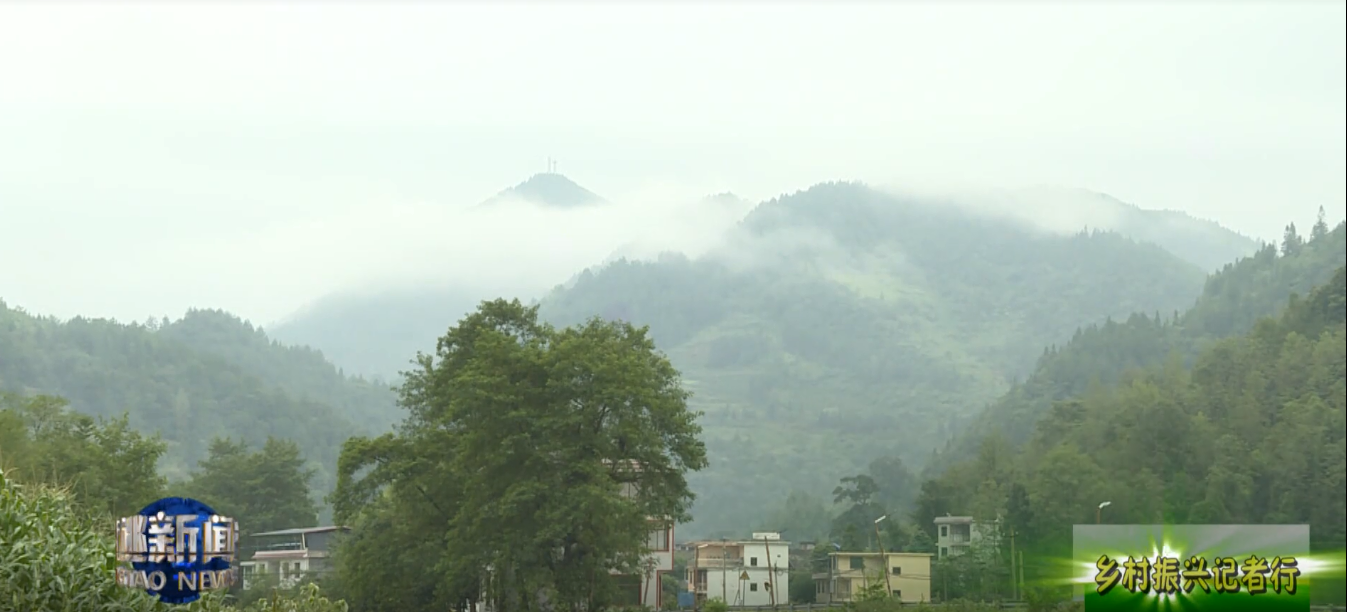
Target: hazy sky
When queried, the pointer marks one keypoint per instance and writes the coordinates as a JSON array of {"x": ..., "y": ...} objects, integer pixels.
[{"x": 252, "y": 157}]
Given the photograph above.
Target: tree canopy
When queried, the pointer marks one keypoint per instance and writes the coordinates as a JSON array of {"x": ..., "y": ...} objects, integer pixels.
[{"x": 519, "y": 441}]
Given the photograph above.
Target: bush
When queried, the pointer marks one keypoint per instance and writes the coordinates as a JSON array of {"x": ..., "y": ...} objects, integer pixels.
[
  {"x": 51, "y": 558},
  {"x": 55, "y": 557}
]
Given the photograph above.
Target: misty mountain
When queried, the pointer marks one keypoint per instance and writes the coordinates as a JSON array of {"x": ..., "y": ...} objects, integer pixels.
[
  {"x": 724, "y": 206},
  {"x": 548, "y": 189},
  {"x": 1204, "y": 243},
  {"x": 377, "y": 333},
  {"x": 1232, "y": 301},
  {"x": 842, "y": 323}
]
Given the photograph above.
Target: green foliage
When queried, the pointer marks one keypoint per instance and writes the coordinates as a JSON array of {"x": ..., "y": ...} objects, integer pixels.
[
  {"x": 264, "y": 490},
  {"x": 518, "y": 441},
  {"x": 52, "y": 559},
  {"x": 802, "y": 589},
  {"x": 108, "y": 468},
  {"x": 306, "y": 599},
  {"x": 716, "y": 604}
]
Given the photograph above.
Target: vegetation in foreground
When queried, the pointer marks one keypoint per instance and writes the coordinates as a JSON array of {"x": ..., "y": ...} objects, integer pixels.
[{"x": 56, "y": 555}]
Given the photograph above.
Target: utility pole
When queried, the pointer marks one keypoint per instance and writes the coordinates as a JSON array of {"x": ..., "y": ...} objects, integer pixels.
[
  {"x": 771, "y": 573},
  {"x": 725, "y": 560},
  {"x": 1014, "y": 585},
  {"x": 1021, "y": 570},
  {"x": 883, "y": 558},
  {"x": 696, "y": 563}
]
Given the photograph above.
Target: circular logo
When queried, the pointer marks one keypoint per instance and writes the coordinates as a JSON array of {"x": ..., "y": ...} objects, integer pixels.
[{"x": 175, "y": 548}]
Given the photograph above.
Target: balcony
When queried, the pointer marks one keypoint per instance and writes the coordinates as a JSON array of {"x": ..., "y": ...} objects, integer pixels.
[{"x": 718, "y": 563}]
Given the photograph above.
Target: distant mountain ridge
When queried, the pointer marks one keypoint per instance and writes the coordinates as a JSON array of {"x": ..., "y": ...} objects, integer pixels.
[
  {"x": 548, "y": 189},
  {"x": 1200, "y": 241}
]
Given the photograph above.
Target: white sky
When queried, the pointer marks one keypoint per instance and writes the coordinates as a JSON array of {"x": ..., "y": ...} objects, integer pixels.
[{"x": 252, "y": 157}]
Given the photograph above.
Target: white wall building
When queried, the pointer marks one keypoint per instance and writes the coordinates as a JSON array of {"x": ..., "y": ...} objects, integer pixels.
[
  {"x": 742, "y": 572},
  {"x": 289, "y": 554},
  {"x": 956, "y": 535}
]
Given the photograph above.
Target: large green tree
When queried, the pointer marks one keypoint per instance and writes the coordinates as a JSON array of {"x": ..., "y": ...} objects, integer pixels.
[
  {"x": 263, "y": 490},
  {"x": 518, "y": 445}
]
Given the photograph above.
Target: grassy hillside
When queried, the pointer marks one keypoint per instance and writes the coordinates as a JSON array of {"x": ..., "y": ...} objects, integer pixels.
[
  {"x": 206, "y": 375},
  {"x": 841, "y": 323}
]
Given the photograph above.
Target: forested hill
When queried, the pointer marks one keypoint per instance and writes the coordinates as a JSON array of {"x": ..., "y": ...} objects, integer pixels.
[
  {"x": 1252, "y": 433},
  {"x": 1231, "y": 302},
  {"x": 301, "y": 372},
  {"x": 167, "y": 383},
  {"x": 842, "y": 323}
]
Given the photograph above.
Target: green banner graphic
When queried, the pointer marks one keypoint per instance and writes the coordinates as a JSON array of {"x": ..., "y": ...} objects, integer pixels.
[{"x": 1230, "y": 568}]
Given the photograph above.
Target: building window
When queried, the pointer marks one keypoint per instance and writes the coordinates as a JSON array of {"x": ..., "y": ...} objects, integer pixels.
[
  {"x": 753, "y": 586},
  {"x": 943, "y": 551},
  {"x": 897, "y": 571},
  {"x": 753, "y": 561},
  {"x": 897, "y": 594},
  {"x": 659, "y": 540},
  {"x": 857, "y": 562},
  {"x": 944, "y": 531}
]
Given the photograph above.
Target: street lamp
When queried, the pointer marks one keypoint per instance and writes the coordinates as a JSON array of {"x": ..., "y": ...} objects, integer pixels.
[
  {"x": 1098, "y": 512},
  {"x": 883, "y": 558}
]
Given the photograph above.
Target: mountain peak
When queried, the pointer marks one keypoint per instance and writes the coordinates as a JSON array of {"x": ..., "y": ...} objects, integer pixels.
[
  {"x": 727, "y": 198},
  {"x": 549, "y": 189}
]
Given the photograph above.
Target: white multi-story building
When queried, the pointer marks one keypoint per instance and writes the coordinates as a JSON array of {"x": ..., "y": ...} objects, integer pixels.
[
  {"x": 956, "y": 535},
  {"x": 753, "y": 572}
]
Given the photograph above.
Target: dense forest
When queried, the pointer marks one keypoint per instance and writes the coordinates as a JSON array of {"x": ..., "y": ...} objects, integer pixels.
[
  {"x": 208, "y": 374},
  {"x": 1231, "y": 302},
  {"x": 1252, "y": 433}
]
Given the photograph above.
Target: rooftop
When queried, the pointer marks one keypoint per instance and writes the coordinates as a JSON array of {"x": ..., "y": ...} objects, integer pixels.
[
  {"x": 303, "y": 531},
  {"x": 948, "y": 520},
  {"x": 875, "y": 554}
]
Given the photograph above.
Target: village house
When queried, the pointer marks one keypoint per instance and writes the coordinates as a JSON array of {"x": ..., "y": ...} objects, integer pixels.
[
  {"x": 956, "y": 535},
  {"x": 906, "y": 575},
  {"x": 289, "y": 554},
  {"x": 753, "y": 572}
]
